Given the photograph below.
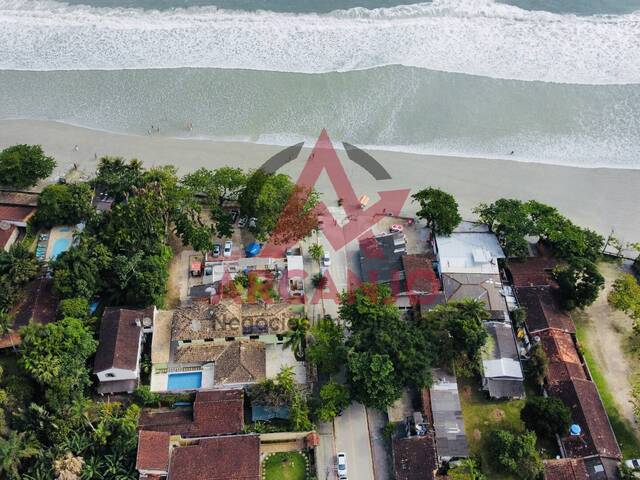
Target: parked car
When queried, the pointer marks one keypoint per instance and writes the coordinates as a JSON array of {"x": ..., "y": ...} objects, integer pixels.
[
  {"x": 342, "y": 466},
  {"x": 326, "y": 259},
  {"x": 216, "y": 250},
  {"x": 228, "y": 245},
  {"x": 252, "y": 222},
  {"x": 633, "y": 463},
  {"x": 234, "y": 215},
  {"x": 243, "y": 222}
]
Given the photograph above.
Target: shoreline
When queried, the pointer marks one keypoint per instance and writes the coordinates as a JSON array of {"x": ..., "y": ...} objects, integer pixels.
[
  {"x": 597, "y": 197},
  {"x": 413, "y": 149}
]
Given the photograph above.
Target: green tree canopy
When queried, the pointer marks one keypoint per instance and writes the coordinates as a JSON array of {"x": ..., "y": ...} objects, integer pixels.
[
  {"x": 373, "y": 379},
  {"x": 22, "y": 166},
  {"x": 18, "y": 265},
  {"x": 117, "y": 177},
  {"x": 625, "y": 295},
  {"x": 55, "y": 356},
  {"x": 538, "y": 364},
  {"x": 79, "y": 272},
  {"x": 457, "y": 333},
  {"x": 377, "y": 329},
  {"x": 546, "y": 416},
  {"x": 511, "y": 220},
  {"x": 265, "y": 197},
  {"x": 439, "y": 209},
  {"x": 327, "y": 350},
  {"x": 14, "y": 449},
  {"x": 74, "y": 307},
  {"x": 515, "y": 454},
  {"x": 296, "y": 337},
  {"x": 508, "y": 219},
  {"x": 316, "y": 251},
  {"x": 580, "y": 283},
  {"x": 64, "y": 204},
  {"x": 334, "y": 398}
]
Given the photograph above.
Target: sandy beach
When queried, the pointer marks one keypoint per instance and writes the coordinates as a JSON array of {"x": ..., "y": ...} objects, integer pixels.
[{"x": 601, "y": 198}]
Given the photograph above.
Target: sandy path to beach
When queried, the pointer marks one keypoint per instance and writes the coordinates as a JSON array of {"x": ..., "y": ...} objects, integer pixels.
[{"x": 602, "y": 198}]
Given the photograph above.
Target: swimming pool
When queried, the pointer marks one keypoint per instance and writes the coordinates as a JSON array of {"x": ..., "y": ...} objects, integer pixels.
[
  {"x": 59, "y": 246},
  {"x": 184, "y": 381}
]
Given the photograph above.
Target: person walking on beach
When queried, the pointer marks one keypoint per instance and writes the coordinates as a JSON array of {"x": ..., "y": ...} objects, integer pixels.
[{"x": 75, "y": 148}]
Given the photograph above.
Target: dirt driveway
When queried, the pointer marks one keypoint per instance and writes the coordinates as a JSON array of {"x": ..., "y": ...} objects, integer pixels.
[{"x": 607, "y": 338}]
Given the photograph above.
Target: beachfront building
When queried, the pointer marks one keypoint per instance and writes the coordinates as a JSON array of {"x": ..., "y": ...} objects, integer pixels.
[
  {"x": 117, "y": 361},
  {"x": 203, "y": 345},
  {"x": 384, "y": 260},
  {"x": 468, "y": 265},
  {"x": 590, "y": 445}
]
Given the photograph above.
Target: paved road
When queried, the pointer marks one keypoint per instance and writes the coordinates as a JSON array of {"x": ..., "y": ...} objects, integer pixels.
[
  {"x": 326, "y": 453},
  {"x": 352, "y": 437},
  {"x": 379, "y": 444}
]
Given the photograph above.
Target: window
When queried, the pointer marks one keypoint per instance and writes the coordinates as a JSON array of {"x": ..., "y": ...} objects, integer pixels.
[
  {"x": 229, "y": 339},
  {"x": 254, "y": 337}
]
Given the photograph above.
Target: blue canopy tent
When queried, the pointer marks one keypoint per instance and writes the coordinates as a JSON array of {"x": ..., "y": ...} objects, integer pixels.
[{"x": 253, "y": 249}]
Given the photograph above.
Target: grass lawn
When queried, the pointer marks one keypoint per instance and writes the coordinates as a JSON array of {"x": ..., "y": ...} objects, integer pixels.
[
  {"x": 285, "y": 466},
  {"x": 481, "y": 415},
  {"x": 628, "y": 441}
]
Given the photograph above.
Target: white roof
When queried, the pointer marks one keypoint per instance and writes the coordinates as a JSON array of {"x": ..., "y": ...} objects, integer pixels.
[
  {"x": 469, "y": 253},
  {"x": 503, "y": 367},
  {"x": 295, "y": 263}
]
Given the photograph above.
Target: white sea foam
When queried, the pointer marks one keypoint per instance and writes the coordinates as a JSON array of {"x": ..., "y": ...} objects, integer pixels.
[{"x": 478, "y": 37}]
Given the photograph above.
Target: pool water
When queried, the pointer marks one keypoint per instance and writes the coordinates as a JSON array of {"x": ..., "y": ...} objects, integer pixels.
[
  {"x": 184, "y": 381},
  {"x": 59, "y": 246}
]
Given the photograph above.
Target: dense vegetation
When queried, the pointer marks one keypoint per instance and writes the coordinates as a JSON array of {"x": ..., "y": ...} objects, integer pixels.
[
  {"x": 17, "y": 267},
  {"x": 22, "y": 166},
  {"x": 438, "y": 209},
  {"x": 385, "y": 352},
  {"x": 49, "y": 426},
  {"x": 63, "y": 204},
  {"x": 512, "y": 220}
]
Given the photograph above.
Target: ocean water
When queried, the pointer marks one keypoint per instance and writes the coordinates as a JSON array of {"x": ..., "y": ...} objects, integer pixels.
[{"x": 552, "y": 82}]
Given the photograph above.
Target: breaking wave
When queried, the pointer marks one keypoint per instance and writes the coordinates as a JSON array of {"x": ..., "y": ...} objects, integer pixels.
[{"x": 476, "y": 37}]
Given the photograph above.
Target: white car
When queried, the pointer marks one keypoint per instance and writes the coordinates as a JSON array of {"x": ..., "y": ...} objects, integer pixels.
[
  {"x": 326, "y": 259},
  {"x": 243, "y": 222},
  {"x": 228, "y": 245},
  {"x": 252, "y": 222},
  {"x": 633, "y": 463},
  {"x": 342, "y": 466}
]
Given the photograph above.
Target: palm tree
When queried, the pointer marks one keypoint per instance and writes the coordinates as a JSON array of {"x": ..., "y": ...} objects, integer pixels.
[
  {"x": 19, "y": 264},
  {"x": 297, "y": 336},
  {"x": 13, "y": 449},
  {"x": 316, "y": 251}
]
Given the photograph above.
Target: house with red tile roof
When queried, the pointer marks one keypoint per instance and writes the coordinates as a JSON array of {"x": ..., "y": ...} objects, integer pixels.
[
  {"x": 214, "y": 412},
  {"x": 8, "y": 235},
  {"x": 593, "y": 453},
  {"x": 200, "y": 443}
]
